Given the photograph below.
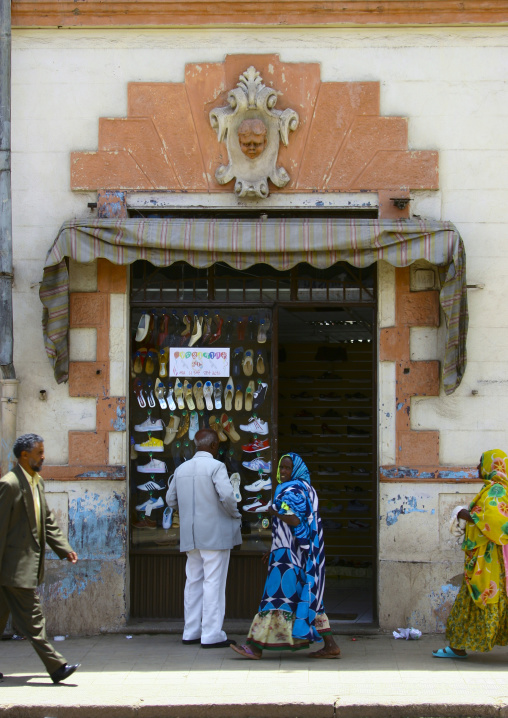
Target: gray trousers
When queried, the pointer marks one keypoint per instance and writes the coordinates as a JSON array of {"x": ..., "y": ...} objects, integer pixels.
[{"x": 25, "y": 608}]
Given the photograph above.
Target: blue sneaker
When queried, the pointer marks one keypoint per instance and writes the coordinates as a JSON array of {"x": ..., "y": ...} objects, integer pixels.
[{"x": 258, "y": 465}]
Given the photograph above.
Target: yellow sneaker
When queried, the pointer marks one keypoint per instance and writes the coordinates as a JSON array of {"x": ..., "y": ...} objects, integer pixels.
[{"x": 151, "y": 444}]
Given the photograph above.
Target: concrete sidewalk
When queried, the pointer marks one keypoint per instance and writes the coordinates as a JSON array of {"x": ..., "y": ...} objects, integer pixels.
[{"x": 151, "y": 676}]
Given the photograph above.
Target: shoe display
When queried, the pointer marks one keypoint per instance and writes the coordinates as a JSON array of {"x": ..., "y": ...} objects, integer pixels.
[
  {"x": 150, "y": 505},
  {"x": 184, "y": 425},
  {"x": 150, "y": 425},
  {"x": 160, "y": 393},
  {"x": 228, "y": 395},
  {"x": 187, "y": 395},
  {"x": 154, "y": 466},
  {"x": 256, "y": 445},
  {"x": 207, "y": 393},
  {"x": 217, "y": 394},
  {"x": 152, "y": 485},
  {"x": 171, "y": 428},
  {"x": 151, "y": 444},
  {"x": 229, "y": 428},
  {"x": 259, "y": 485},
  {"x": 255, "y": 426},
  {"x": 235, "y": 483},
  {"x": 258, "y": 464}
]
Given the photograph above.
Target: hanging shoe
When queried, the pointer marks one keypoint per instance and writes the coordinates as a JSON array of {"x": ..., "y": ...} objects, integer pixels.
[
  {"x": 229, "y": 428},
  {"x": 160, "y": 393},
  {"x": 249, "y": 395},
  {"x": 150, "y": 397},
  {"x": 241, "y": 326},
  {"x": 149, "y": 505},
  {"x": 207, "y": 328},
  {"x": 207, "y": 393},
  {"x": 154, "y": 466},
  {"x": 228, "y": 395},
  {"x": 217, "y": 394},
  {"x": 164, "y": 363},
  {"x": 184, "y": 425},
  {"x": 176, "y": 453},
  {"x": 170, "y": 398},
  {"x": 163, "y": 331},
  {"x": 179, "y": 394},
  {"x": 152, "y": 485},
  {"x": 238, "y": 398},
  {"x": 257, "y": 507},
  {"x": 167, "y": 517},
  {"x": 138, "y": 361},
  {"x": 260, "y": 362},
  {"x": 154, "y": 333},
  {"x": 150, "y": 425},
  {"x": 197, "y": 390},
  {"x": 187, "y": 450},
  {"x": 133, "y": 452},
  {"x": 259, "y": 485},
  {"x": 256, "y": 445},
  {"x": 259, "y": 394},
  {"x": 248, "y": 363},
  {"x": 237, "y": 362},
  {"x": 139, "y": 392},
  {"x": 251, "y": 329},
  {"x": 153, "y": 445},
  {"x": 193, "y": 425},
  {"x": 218, "y": 332},
  {"x": 232, "y": 463},
  {"x": 143, "y": 328},
  {"x": 197, "y": 330},
  {"x": 187, "y": 393},
  {"x": 235, "y": 483},
  {"x": 258, "y": 465},
  {"x": 256, "y": 426},
  {"x": 228, "y": 330},
  {"x": 261, "y": 338},
  {"x": 217, "y": 427},
  {"x": 171, "y": 428}
]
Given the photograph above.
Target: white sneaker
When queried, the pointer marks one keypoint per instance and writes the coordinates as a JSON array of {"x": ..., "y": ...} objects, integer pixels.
[
  {"x": 155, "y": 466},
  {"x": 235, "y": 483},
  {"x": 257, "y": 507},
  {"x": 150, "y": 425},
  {"x": 260, "y": 485},
  {"x": 256, "y": 426},
  {"x": 151, "y": 504},
  {"x": 152, "y": 485},
  {"x": 167, "y": 518}
]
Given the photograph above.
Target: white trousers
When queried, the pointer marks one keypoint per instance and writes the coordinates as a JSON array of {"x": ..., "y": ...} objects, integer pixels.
[{"x": 205, "y": 595}]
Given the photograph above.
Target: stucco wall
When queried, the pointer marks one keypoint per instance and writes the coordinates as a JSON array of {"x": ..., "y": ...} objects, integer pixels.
[{"x": 449, "y": 83}]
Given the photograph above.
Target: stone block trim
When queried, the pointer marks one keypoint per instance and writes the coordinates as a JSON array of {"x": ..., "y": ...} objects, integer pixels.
[
  {"x": 413, "y": 378},
  {"x": 89, "y": 450},
  {"x": 167, "y": 143}
]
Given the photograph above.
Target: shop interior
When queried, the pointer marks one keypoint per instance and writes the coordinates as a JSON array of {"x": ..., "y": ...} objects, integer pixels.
[{"x": 277, "y": 362}]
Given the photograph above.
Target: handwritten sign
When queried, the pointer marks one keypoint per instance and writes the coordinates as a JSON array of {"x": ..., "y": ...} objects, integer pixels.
[{"x": 190, "y": 362}]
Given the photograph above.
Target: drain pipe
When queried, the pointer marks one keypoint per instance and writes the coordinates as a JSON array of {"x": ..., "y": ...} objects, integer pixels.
[{"x": 9, "y": 383}]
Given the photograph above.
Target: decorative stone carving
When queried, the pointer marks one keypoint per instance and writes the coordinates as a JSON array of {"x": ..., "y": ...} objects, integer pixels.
[{"x": 252, "y": 130}]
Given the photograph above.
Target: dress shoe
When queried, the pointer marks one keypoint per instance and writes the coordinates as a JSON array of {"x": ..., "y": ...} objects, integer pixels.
[
  {"x": 1, "y": 676},
  {"x": 191, "y": 641},
  {"x": 219, "y": 644},
  {"x": 64, "y": 672}
]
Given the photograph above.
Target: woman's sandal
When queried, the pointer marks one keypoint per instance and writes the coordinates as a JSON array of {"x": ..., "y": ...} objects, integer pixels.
[
  {"x": 447, "y": 653},
  {"x": 246, "y": 652},
  {"x": 322, "y": 653}
]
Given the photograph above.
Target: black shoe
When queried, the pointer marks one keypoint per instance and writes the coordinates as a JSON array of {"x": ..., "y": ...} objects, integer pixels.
[
  {"x": 219, "y": 644},
  {"x": 64, "y": 672},
  {"x": 190, "y": 641},
  {"x": 1, "y": 676}
]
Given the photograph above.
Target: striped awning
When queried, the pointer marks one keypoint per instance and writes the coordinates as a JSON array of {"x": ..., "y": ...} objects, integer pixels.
[{"x": 240, "y": 243}]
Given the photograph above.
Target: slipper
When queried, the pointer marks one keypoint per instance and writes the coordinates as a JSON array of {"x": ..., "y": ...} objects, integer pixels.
[
  {"x": 143, "y": 328},
  {"x": 229, "y": 428},
  {"x": 150, "y": 395},
  {"x": 187, "y": 392},
  {"x": 237, "y": 360},
  {"x": 217, "y": 427},
  {"x": 197, "y": 332},
  {"x": 150, "y": 362},
  {"x": 228, "y": 395},
  {"x": 240, "y": 328},
  {"x": 207, "y": 393},
  {"x": 138, "y": 390},
  {"x": 260, "y": 362},
  {"x": 207, "y": 328},
  {"x": 238, "y": 398},
  {"x": 322, "y": 654},
  {"x": 163, "y": 363},
  {"x": 197, "y": 390},
  {"x": 139, "y": 360},
  {"x": 217, "y": 394},
  {"x": 171, "y": 428},
  {"x": 246, "y": 652},
  {"x": 446, "y": 653},
  {"x": 179, "y": 394},
  {"x": 160, "y": 393},
  {"x": 249, "y": 394},
  {"x": 170, "y": 398},
  {"x": 247, "y": 363},
  {"x": 187, "y": 331},
  {"x": 262, "y": 332},
  {"x": 163, "y": 330}
]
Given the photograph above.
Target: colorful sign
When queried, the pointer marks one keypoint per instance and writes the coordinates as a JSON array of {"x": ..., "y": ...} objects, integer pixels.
[{"x": 199, "y": 362}]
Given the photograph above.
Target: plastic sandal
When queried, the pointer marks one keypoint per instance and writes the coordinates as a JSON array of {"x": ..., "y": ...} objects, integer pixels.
[
  {"x": 229, "y": 428},
  {"x": 446, "y": 653},
  {"x": 249, "y": 394},
  {"x": 246, "y": 652},
  {"x": 138, "y": 390},
  {"x": 228, "y": 395},
  {"x": 197, "y": 390},
  {"x": 163, "y": 363},
  {"x": 160, "y": 393},
  {"x": 248, "y": 363},
  {"x": 170, "y": 398},
  {"x": 238, "y": 398},
  {"x": 187, "y": 392},
  {"x": 207, "y": 393},
  {"x": 179, "y": 394},
  {"x": 150, "y": 395},
  {"x": 217, "y": 394},
  {"x": 235, "y": 483}
]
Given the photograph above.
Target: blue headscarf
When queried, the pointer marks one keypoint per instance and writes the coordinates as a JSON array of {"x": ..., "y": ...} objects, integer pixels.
[{"x": 299, "y": 495}]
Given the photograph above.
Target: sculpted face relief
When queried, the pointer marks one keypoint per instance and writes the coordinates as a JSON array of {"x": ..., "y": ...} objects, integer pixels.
[{"x": 252, "y": 138}]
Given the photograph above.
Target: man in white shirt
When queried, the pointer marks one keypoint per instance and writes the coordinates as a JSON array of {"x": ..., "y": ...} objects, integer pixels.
[{"x": 209, "y": 529}]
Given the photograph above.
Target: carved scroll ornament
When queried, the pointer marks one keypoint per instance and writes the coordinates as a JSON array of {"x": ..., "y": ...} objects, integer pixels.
[{"x": 252, "y": 129}]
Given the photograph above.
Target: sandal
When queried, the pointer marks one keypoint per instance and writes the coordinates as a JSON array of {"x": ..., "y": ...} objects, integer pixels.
[
  {"x": 197, "y": 331},
  {"x": 138, "y": 390},
  {"x": 216, "y": 336},
  {"x": 197, "y": 390},
  {"x": 323, "y": 654},
  {"x": 160, "y": 393},
  {"x": 170, "y": 398},
  {"x": 229, "y": 428},
  {"x": 260, "y": 362},
  {"x": 207, "y": 328},
  {"x": 207, "y": 393},
  {"x": 139, "y": 360},
  {"x": 246, "y": 652},
  {"x": 171, "y": 429},
  {"x": 187, "y": 392},
  {"x": 228, "y": 395},
  {"x": 262, "y": 331},
  {"x": 446, "y": 653},
  {"x": 150, "y": 362},
  {"x": 249, "y": 394},
  {"x": 217, "y": 427},
  {"x": 247, "y": 363},
  {"x": 150, "y": 395},
  {"x": 238, "y": 398},
  {"x": 179, "y": 394},
  {"x": 163, "y": 363},
  {"x": 217, "y": 394}
]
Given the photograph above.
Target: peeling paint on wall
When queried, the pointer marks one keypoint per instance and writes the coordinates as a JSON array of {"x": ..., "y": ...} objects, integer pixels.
[{"x": 408, "y": 505}]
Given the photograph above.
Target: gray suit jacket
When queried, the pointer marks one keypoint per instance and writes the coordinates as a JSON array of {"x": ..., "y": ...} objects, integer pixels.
[
  {"x": 21, "y": 554},
  {"x": 209, "y": 517}
]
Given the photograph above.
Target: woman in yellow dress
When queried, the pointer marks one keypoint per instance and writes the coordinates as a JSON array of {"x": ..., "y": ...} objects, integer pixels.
[{"x": 479, "y": 617}]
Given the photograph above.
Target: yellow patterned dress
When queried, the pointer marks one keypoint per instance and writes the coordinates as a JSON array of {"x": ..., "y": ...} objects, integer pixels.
[{"x": 479, "y": 617}]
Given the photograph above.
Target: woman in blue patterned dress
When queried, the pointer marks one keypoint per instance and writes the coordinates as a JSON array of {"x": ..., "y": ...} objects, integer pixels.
[{"x": 291, "y": 614}]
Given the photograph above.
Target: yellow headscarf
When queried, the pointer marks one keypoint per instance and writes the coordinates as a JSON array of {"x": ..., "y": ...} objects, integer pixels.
[{"x": 489, "y": 511}]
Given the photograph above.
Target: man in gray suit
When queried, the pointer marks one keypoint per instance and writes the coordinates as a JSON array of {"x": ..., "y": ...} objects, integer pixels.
[
  {"x": 26, "y": 525},
  {"x": 209, "y": 528}
]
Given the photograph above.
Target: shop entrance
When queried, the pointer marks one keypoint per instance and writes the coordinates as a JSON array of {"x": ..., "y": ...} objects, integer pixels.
[{"x": 298, "y": 349}]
